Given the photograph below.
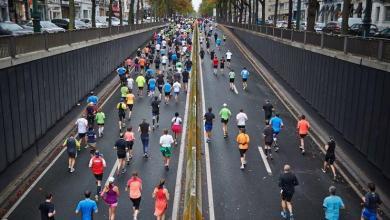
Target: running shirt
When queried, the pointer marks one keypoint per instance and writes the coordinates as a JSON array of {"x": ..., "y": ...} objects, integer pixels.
[
  {"x": 166, "y": 140},
  {"x": 97, "y": 164},
  {"x": 268, "y": 109},
  {"x": 100, "y": 117},
  {"x": 209, "y": 116},
  {"x": 331, "y": 147},
  {"x": 229, "y": 55},
  {"x": 93, "y": 98},
  {"x": 215, "y": 63},
  {"x": 124, "y": 91},
  {"x": 121, "y": 71},
  {"x": 176, "y": 121},
  {"x": 130, "y": 99},
  {"x": 142, "y": 61},
  {"x": 268, "y": 134},
  {"x": 155, "y": 106},
  {"x": 46, "y": 208},
  {"x": 176, "y": 87},
  {"x": 164, "y": 59},
  {"x": 144, "y": 128},
  {"x": 71, "y": 144},
  {"x": 241, "y": 118},
  {"x": 303, "y": 126},
  {"x": 218, "y": 42},
  {"x": 244, "y": 74},
  {"x": 243, "y": 140},
  {"x": 135, "y": 187},
  {"x": 121, "y": 107},
  {"x": 121, "y": 145},
  {"x": 332, "y": 205},
  {"x": 87, "y": 207},
  {"x": 152, "y": 83},
  {"x": 82, "y": 125},
  {"x": 130, "y": 83},
  {"x": 287, "y": 182},
  {"x": 276, "y": 124},
  {"x": 91, "y": 136},
  {"x": 232, "y": 75},
  {"x": 167, "y": 87},
  {"x": 128, "y": 136},
  {"x": 225, "y": 113},
  {"x": 140, "y": 80}
]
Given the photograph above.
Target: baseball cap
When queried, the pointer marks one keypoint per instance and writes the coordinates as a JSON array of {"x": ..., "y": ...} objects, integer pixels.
[
  {"x": 111, "y": 179},
  {"x": 224, "y": 105}
]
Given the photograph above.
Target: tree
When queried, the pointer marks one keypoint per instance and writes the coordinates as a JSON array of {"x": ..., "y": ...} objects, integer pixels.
[
  {"x": 71, "y": 14},
  {"x": 290, "y": 5},
  {"x": 137, "y": 13},
  {"x": 142, "y": 11},
  {"x": 345, "y": 16},
  {"x": 110, "y": 13},
  {"x": 131, "y": 13},
  {"x": 93, "y": 16},
  {"x": 311, "y": 14},
  {"x": 276, "y": 12},
  {"x": 120, "y": 13}
]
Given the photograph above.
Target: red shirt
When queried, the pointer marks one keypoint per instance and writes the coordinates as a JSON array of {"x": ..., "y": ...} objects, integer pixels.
[
  {"x": 97, "y": 165},
  {"x": 215, "y": 62}
]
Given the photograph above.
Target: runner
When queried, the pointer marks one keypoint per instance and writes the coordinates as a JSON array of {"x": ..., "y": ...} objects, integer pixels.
[
  {"x": 82, "y": 126},
  {"x": 232, "y": 76},
  {"x": 228, "y": 57},
  {"x": 224, "y": 37},
  {"x": 129, "y": 138},
  {"x": 244, "y": 75},
  {"x": 207, "y": 45},
  {"x": 152, "y": 86},
  {"x": 91, "y": 113},
  {"x": 185, "y": 75},
  {"x": 277, "y": 125},
  {"x": 243, "y": 145},
  {"x": 136, "y": 64},
  {"x": 201, "y": 53},
  {"x": 167, "y": 92},
  {"x": 268, "y": 108},
  {"x": 144, "y": 129},
  {"x": 176, "y": 126},
  {"x": 71, "y": 144},
  {"x": 142, "y": 63},
  {"x": 268, "y": 139},
  {"x": 97, "y": 165},
  {"x": 218, "y": 43},
  {"x": 161, "y": 196},
  {"x": 130, "y": 97},
  {"x": 287, "y": 182},
  {"x": 164, "y": 61},
  {"x": 222, "y": 65},
  {"x": 241, "y": 118},
  {"x": 91, "y": 140},
  {"x": 121, "y": 106},
  {"x": 215, "y": 35},
  {"x": 371, "y": 201},
  {"x": 215, "y": 65},
  {"x": 130, "y": 83},
  {"x": 332, "y": 205},
  {"x": 303, "y": 130},
  {"x": 166, "y": 142},
  {"x": 100, "y": 118},
  {"x": 93, "y": 98},
  {"x": 212, "y": 54},
  {"x": 188, "y": 65},
  {"x": 208, "y": 124},
  {"x": 121, "y": 150},
  {"x": 121, "y": 73},
  {"x": 155, "y": 112},
  {"x": 176, "y": 90},
  {"x": 160, "y": 83},
  {"x": 140, "y": 80},
  {"x": 157, "y": 62},
  {"x": 47, "y": 208},
  {"x": 134, "y": 186},
  {"x": 225, "y": 114},
  {"x": 124, "y": 90},
  {"x": 330, "y": 157},
  {"x": 87, "y": 207},
  {"x": 110, "y": 195}
]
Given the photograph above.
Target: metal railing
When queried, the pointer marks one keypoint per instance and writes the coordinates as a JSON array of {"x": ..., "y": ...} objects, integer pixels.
[
  {"x": 376, "y": 48},
  {"x": 10, "y": 46}
]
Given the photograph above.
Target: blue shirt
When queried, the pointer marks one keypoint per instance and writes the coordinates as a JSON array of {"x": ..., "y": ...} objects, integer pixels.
[
  {"x": 167, "y": 87},
  {"x": 121, "y": 71},
  {"x": 93, "y": 98},
  {"x": 332, "y": 205},
  {"x": 86, "y": 207},
  {"x": 150, "y": 72},
  {"x": 218, "y": 41},
  {"x": 152, "y": 83},
  {"x": 276, "y": 123},
  {"x": 244, "y": 74},
  {"x": 174, "y": 57}
]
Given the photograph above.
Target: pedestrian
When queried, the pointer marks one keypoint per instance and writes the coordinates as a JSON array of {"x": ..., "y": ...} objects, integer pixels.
[
  {"x": 218, "y": 43},
  {"x": 129, "y": 138},
  {"x": 243, "y": 145},
  {"x": 157, "y": 62},
  {"x": 244, "y": 76},
  {"x": 90, "y": 111},
  {"x": 232, "y": 76},
  {"x": 47, "y": 208},
  {"x": 185, "y": 75},
  {"x": 167, "y": 92},
  {"x": 201, "y": 53},
  {"x": 229, "y": 57},
  {"x": 287, "y": 183},
  {"x": 160, "y": 83},
  {"x": 277, "y": 124},
  {"x": 268, "y": 139},
  {"x": 332, "y": 205},
  {"x": 330, "y": 157},
  {"x": 212, "y": 53},
  {"x": 97, "y": 165},
  {"x": 176, "y": 90},
  {"x": 215, "y": 65},
  {"x": 130, "y": 98},
  {"x": 303, "y": 130},
  {"x": 144, "y": 128},
  {"x": 82, "y": 127},
  {"x": 140, "y": 80},
  {"x": 121, "y": 150},
  {"x": 91, "y": 140},
  {"x": 124, "y": 90},
  {"x": 121, "y": 106},
  {"x": 134, "y": 186},
  {"x": 100, "y": 119},
  {"x": 166, "y": 142},
  {"x": 371, "y": 201},
  {"x": 110, "y": 195},
  {"x": 215, "y": 36},
  {"x": 208, "y": 124},
  {"x": 71, "y": 144},
  {"x": 225, "y": 114},
  {"x": 222, "y": 64},
  {"x": 155, "y": 112},
  {"x": 87, "y": 207},
  {"x": 161, "y": 197},
  {"x": 241, "y": 119},
  {"x": 121, "y": 73},
  {"x": 268, "y": 108},
  {"x": 93, "y": 98},
  {"x": 176, "y": 126}
]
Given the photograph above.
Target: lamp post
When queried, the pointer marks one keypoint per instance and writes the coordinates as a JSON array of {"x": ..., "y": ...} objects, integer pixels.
[
  {"x": 298, "y": 14},
  {"x": 36, "y": 17}
]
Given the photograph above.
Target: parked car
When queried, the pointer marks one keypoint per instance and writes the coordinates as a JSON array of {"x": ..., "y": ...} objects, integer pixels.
[
  {"x": 64, "y": 23},
  {"x": 319, "y": 26},
  {"x": 385, "y": 33},
  {"x": 10, "y": 28},
  {"x": 357, "y": 29},
  {"x": 100, "y": 22},
  {"x": 332, "y": 27},
  {"x": 46, "y": 27},
  {"x": 281, "y": 24},
  {"x": 351, "y": 21}
]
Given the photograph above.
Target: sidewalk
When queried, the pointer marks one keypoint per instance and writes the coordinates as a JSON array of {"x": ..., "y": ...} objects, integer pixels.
[{"x": 351, "y": 164}]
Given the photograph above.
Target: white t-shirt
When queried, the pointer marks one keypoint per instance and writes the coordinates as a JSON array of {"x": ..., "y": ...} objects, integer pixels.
[
  {"x": 176, "y": 87},
  {"x": 158, "y": 46},
  {"x": 164, "y": 43},
  {"x": 176, "y": 120},
  {"x": 166, "y": 140},
  {"x": 229, "y": 55},
  {"x": 241, "y": 118},
  {"x": 184, "y": 49},
  {"x": 82, "y": 125},
  {"x": 164, "y": 59},
  {"x": 130, "y": 83}
]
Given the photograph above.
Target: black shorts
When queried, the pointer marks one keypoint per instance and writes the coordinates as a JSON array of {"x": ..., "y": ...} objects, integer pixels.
[
  {"x": 98, "y": 176},
  {"x": 240, "y": 126},
  {"x": 330, "y": 158},
  {"x": 242, "y": 152},
  {"x": 231, "y": 80},
  {"x": 228, "y": 60},
  {"x": 130, "y": 106},
  {"x": 160, "y": 88},
  {"x": 287, "y": 196},
  {"x": 140, "y": 88},
  {"x": 136, "y": 202},
  {"x": 185, "y": 80},
  {"x": 130, "y": 144},
  {"x": 101, "y": 124},
  {"x": 225, "y": 121},
  {"x": 302, "y": 135},
  {"x": 72, "y": 154},
  {"x": 121, "y": 115},
  {"x": 244, "y": 80},
  {"x": 268, "y": 143},
  {"x": 121, "y": 155},
  {"x": 167, "y": 93},
  {"x": 81, "y": 135}
]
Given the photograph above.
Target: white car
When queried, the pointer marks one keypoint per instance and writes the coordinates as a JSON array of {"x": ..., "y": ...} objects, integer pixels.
[
  {"x": 46, "y": 27},
  {"x": 318, "y": 27}
]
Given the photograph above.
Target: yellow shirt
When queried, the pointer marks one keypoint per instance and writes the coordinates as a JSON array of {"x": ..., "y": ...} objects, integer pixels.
[{"x": 130, "y": 99}]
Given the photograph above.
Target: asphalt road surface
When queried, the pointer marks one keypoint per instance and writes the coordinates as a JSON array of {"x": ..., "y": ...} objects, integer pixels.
[{"x": 253, "y": 193}]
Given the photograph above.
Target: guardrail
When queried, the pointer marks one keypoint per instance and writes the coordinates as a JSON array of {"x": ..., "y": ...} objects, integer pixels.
[
  {"x": 10, "y": 46},
  {"x": 376, "y": 48}
]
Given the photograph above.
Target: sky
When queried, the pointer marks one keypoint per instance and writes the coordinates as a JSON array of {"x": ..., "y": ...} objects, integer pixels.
[{"x": 196, "y": 3}]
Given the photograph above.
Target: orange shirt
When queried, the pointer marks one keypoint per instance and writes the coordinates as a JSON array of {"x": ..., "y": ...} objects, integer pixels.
[
  {"x": 135, "y": 187},
  {"x": 142, "y": 62},
  {"x": 303, "y": 126},
  {"x": 243, "y": 141}
]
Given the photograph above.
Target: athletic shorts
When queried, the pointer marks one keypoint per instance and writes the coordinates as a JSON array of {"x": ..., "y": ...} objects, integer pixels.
[
  {"x": 228, "y": 60},
  {"x": 167, "y": 93},
  {"x": 268, "y": 144},
  {"x": 101, "y": 124},
  {"x": 160, "y": 88},
  {"x": 140, "y": 88},
  {"x": 81, "y": 135},
  {"x": 244, "y": 80},
  {"x": 166, "y": 151},
  {"x": 130, "y": 144},
  {"x": 185, "y": 80},
  {"x": 121, "y": 116},
  {"x": 130, "y": 106},
  {"x": 121, "y": 155},
  {"x": 302, "y": 135},
  {"x": 240, "y": 126},
  {"x": 225, "y": 121},
  {"x": 72, "y": 154},
  {"x": 287, "y": 196},
  {"x": 177, "y": 93},
  {"x": 136, "y": 202},
  {"x": 208, "y": 127},
  {"x": 231, "y": 80},
  {"x": 369, "y": 214},
  {"x": 276, "y": 133},
  {"x": 242, "y": 152},
  {"x": 98, "y": 176},
  {"x": 215, "y": 67},
  {"x": 330, "y": 158}
]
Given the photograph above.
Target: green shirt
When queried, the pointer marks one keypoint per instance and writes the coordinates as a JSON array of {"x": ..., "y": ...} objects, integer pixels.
[
  {"x": 100, "y": 117},
  {"x": 140, "y": 81},
  {"x": 179, "y": 65},
  {"x": 124, "y": 91},
  {"x": 225, "y": 113},
  {"x": 232, "y": 75}
]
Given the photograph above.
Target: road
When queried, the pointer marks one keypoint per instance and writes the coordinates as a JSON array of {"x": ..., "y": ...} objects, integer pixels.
[
  {"x": 68, "y": 188},
  {"x": 254, "y": 193}
]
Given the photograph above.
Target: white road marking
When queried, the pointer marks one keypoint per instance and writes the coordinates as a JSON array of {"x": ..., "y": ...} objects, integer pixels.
[
  {"x": 207, "y": 154},
  {"x": 235, "y": 89},
  {"x": 266, "y": 164},
  {"x": 16, "y": 204}
]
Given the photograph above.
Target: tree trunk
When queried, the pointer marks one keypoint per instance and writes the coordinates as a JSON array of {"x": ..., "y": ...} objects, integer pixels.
[
  {"x": 345, "y": 16},
  {"x": 71, "y": 14},
  {"x": 262, "y": 11},
  {"x": 137, "y": 12},
  {"x": 120, "y": 13},
  {"x": 93, "y": 16},
  {"x": 311, "y": 15},
  {"x": 276, "y": 12},
  {"x": 290, "y": 5},
  {"x": 131, "y": 13},
  {"x": 142, "y": 11},
  {"x": 257, "y": 11},
  {"x": 250, "y": 12},
  {"x": 110, "y": 13}
]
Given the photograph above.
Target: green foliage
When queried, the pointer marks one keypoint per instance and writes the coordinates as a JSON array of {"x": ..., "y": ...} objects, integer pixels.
[{"x": 206, "y": 7}]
